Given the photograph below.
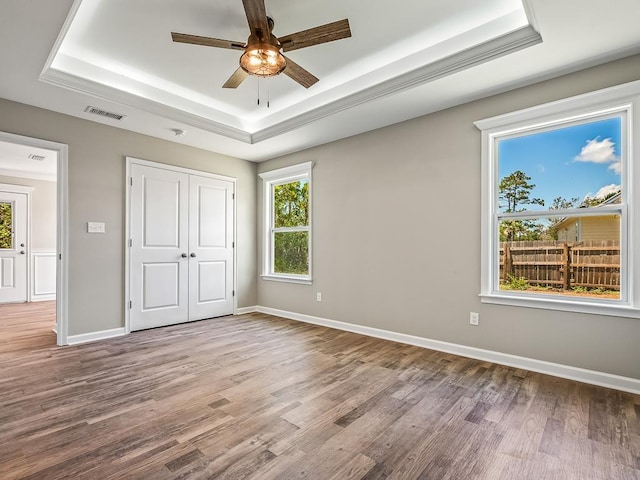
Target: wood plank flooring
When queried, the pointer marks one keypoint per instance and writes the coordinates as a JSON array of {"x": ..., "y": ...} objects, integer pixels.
[{"x": 259, "y": 397}]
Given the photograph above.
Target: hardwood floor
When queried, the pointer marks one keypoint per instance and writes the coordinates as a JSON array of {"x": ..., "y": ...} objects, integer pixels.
[{"x": 259, "y": 397}]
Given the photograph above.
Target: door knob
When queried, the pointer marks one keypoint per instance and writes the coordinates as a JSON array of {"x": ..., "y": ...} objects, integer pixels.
[
  {"x": 184, "y": 255},
  {"x": 21, "y": 252},
  {"x": 22, "y": 244},
  {"x": 193, "y": 255}
]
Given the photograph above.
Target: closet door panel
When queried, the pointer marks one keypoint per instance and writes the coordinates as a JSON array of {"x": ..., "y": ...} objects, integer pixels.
[
  {"x": 211, "y": 248},
  {"x": 159, "y": 269}
]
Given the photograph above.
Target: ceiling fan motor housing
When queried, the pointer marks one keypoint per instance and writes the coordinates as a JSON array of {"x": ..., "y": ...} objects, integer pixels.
[{"x": 263, "y": 59}]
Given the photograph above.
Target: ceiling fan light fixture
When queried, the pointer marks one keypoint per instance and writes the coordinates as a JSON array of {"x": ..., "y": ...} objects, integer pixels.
[
  {"x": 262, "y": 52},
  {"x": 263, "y": 60}
]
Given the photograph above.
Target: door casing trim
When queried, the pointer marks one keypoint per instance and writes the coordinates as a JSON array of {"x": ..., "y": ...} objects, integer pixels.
[{"x": 62, "y": 227}]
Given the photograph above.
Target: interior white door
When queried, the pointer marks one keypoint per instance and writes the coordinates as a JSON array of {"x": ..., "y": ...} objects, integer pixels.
[
  {"x": 13, "y": 247},
  {"x": 210, "y": 248},
  {"x": 159, "y": 269},
  {"x": 181, "y": 249}
]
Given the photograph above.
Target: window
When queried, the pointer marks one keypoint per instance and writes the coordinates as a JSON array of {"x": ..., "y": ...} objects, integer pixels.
[
  {"x": 559, "y": 205},
  {"x": 287, "y": 220},
  {"x": 6, "y": 225}
]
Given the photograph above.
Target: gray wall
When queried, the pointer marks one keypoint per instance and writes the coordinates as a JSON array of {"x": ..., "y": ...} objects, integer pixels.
[
  {"x": 43, "y": 211},
  {"x": 396, "y": 229},
  {"x": 396, "y": 238},
  {"x": 97, "y": 193}
]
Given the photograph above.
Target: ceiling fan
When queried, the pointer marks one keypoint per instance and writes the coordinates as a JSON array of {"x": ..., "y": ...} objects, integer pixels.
[{"x": 262, "y": 55}]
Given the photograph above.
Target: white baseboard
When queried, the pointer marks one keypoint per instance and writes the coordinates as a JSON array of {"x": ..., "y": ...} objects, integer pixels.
[
  {"x": 245, "y": 310},
  {"x": 43, "y": 298},
  {"x": 94, "y": 336},
  {"x": 608, "y": 380}
]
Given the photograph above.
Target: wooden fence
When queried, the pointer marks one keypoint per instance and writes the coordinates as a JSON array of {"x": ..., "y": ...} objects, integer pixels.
[{"x": 591, "y": 264}]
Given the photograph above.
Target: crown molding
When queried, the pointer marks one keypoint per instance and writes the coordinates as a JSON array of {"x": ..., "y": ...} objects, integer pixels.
[
  {"x": 482, "y": 53},
  {"x": 97, "y": 90}
]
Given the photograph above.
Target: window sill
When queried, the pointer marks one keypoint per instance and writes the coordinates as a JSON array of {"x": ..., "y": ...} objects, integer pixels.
[
  {"x": 285, "y": 279},
  {"x": 566, "y": 305}
]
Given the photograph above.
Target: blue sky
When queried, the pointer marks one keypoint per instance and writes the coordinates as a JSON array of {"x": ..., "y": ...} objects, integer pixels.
[{"x": 568, "y": 162}]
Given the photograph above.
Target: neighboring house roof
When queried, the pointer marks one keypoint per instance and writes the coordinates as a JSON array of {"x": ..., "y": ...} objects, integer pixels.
[{"x": 612, "y": 200}]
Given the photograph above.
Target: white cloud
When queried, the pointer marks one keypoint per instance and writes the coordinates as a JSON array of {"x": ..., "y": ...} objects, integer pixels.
[
  {"x": 598, "y": 151},
  {"x": 616, "y": 167},
  {"x": 607, "y": 190}
]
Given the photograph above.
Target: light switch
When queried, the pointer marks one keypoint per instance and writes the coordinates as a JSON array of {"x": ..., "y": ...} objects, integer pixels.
[{"x": 95, "y": 227}]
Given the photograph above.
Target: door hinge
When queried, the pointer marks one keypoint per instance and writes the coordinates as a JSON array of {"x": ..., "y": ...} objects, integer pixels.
[
  {"x": 233, "y": 244},
  {"x": 59, "y": 256},
  {"x": 130, "y": 242},
  {"x": 130, "y": 304},
  {"x": 131, "y": 181},
  {"x": 233, "y": 196},
  {"x": 233, "y": 293}
]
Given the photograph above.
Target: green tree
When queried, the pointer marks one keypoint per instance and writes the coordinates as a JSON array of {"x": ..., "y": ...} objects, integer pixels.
[
  {"x": 514, "y": 193},
  {"x": 291, "y": 210},
  {"x": 521, "y": 230},
  {"x": 291, "y": 204},
  {"x": 559, "y": 203},
  {"x": 5, "y": 225}
]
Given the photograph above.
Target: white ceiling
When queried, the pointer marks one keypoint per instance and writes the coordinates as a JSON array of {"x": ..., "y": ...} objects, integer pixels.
[
  {"x": 27, "y": 162},
  {"x": 405, "y": 59}
]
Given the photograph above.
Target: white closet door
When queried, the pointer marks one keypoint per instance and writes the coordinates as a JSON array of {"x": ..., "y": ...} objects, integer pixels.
[
  {"x": 210, "y": 248},
  {"x": 159, "y": 270}
]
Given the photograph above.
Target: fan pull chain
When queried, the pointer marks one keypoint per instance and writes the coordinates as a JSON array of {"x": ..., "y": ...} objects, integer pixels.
[{"x": 268, "y": 92}]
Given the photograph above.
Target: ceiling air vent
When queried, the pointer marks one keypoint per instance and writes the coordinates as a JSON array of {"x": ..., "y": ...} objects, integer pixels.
[
  {"x": 37, "y": 158},
  {"x": 104, "y": 113}
]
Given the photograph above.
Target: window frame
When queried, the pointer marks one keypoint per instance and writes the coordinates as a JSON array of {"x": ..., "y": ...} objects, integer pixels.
[
  {"x": 271, "y": 179},
  {"x": 621, "y": 100}
]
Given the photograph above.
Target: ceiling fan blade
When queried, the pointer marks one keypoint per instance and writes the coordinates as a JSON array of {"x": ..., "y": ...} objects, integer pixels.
[
  {"x": 257, "y": 18},
  {"x": 315, "y": 36},
  {"x": 299, "y": 74},
  {"x": 236, "y": 79},
  {"x": 206, "y": 41}
]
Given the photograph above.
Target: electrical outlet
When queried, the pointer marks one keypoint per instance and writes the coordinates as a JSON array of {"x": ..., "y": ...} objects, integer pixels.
[
  {"x": 474, "y": 318},
  {"x": 319, "y": 296}
]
